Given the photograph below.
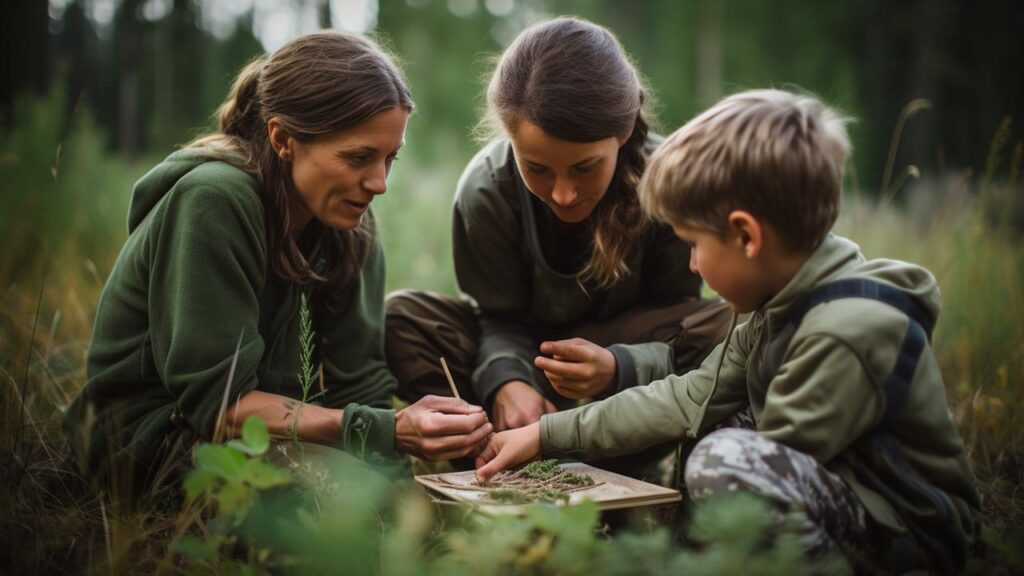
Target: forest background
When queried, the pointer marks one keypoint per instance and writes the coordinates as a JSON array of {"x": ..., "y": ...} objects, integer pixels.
[{"x": 95, "y": 92}]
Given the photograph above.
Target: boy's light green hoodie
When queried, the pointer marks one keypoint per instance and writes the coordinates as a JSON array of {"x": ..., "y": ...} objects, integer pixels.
[{"x": 825, "y": 399}]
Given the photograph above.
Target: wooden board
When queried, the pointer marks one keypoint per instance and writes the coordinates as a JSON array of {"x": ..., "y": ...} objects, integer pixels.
[{"x": 613, "y": 491}]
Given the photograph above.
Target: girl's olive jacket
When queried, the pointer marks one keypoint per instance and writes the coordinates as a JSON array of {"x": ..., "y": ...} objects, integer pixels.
[
  {"x": 825, "y": 396},
  {"x": 192, "y": 316},
  {"x": 522, "y": 298}
]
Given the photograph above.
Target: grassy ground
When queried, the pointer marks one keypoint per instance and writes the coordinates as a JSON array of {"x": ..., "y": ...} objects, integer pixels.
[{"x": 62, "y": 234}]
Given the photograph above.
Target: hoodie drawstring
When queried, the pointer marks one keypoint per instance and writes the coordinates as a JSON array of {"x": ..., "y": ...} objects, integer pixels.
[{"x": 695, "y": 426}]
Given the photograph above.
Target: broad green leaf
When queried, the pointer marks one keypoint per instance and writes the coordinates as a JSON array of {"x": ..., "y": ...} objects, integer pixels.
[
  {"x": 254, "y": 434},
  {"x": 223, "y": 461},
  {"x": 262, "y": 474},
  {"x": 199, "y": 481},
  {"x": 234, "y": 499},
  {"x": 241, "y": 447}
]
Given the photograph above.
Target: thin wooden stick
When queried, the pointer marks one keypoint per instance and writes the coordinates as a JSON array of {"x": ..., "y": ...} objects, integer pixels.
[{"x": 455, "y": 391}]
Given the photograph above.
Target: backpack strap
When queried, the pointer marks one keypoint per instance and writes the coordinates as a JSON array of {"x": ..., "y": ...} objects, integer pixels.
[
  {"x": 897, "y": 385},
  {"x": 861, "y": 288},
  {"x": 905, "y": 553}
]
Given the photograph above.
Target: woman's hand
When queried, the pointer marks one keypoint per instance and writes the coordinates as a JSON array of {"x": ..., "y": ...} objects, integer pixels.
[
  {"x": 438, "y": 428},
  {"x": 508, "y": 449},
  {"x": 577, "y": 368},
  {"x": 517, "y": 404}
]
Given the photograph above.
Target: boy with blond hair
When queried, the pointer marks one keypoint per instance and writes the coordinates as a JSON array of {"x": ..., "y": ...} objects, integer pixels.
[{"x": 853, "y": 437}]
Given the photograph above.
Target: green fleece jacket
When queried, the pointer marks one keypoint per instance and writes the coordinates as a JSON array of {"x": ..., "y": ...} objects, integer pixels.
[
  {"x": 500, "y": 265},
  {"x": 825, "y": 399},
  {"x": 191, "y": 286}
]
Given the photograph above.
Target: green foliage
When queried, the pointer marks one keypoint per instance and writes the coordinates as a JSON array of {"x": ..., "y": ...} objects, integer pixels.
[
  {"x": 369, "y": 525},
  {"x": 62, "y": 192},
  {"x": 1010, "y": 547},
  {"x": 541, "y": 481},
  {"x": 232, "y": 476},
  {"x": 736, "y": 536},
  {"x": 212, "y": 555},
  {"x": 542, "y": 469},
  {"x": 255, "y": 439},
  {"x": 226, "y": 476},
  {"x": 308, "y": 373}
]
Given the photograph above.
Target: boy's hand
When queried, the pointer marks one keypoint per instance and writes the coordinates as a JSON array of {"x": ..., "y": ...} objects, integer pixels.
[
  {"x": 439, "y": 428},
  {"x": 507, "y": 449},
  {"x": 577, "y": 368},
  {"x": 517, "y": 404}
]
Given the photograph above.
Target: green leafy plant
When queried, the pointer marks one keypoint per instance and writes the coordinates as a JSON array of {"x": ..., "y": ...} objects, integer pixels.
[
  {"x": 231, "y": 476},
  {"x": 307, "y": 372}
]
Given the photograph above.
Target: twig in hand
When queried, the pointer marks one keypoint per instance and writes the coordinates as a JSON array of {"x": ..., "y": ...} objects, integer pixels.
[{"x": 455, "y": 391}]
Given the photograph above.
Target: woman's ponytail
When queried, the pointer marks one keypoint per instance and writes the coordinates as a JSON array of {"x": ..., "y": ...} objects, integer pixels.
[{"x": 239, "y": 116}]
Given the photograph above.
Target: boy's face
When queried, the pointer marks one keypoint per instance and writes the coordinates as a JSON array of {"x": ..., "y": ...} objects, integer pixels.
[{"x": 725, "y": 264}]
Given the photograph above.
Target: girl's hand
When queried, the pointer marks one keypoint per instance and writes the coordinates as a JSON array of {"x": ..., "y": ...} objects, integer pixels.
[
  {"x": 507, "y": 449},
  {"x": 517, "y": 404},
  {"x": 577, "y": 368}
]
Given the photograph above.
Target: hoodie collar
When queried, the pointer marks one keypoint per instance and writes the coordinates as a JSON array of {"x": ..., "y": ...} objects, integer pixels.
[
  {"x": 829, "y": 260},
  {"x": 152, "y": 187}
]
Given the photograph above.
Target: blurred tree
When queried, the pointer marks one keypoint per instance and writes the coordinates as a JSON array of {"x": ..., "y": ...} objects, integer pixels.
[
  {"x": 190, "y": 53},
  {"x": 127, "y": 45},
  {"x": 179, "y": 53},
  {"x": 223, "y": 62},
  {"x": 25, "y": 45},
  {"x": 150, "y": 82},
  {"x": 966, "y": 57},
  {"x": 445, "y": 71}
]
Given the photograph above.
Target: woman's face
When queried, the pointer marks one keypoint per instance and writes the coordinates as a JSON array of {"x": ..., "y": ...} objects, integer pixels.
[
  {"x": 570, "y": 177},
  {"x": 337, "y": 175}
]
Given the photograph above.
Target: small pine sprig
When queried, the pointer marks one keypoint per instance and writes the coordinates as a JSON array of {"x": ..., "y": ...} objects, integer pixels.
[
  {"x": 306, "y": 334},
  {"x": 307, "y": 372}
]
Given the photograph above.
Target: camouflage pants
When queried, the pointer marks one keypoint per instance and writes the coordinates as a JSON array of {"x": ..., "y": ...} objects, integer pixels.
[{"x": 826, "y": 512}]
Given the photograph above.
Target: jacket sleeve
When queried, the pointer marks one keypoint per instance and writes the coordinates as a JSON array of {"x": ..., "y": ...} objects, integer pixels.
[
  {"x": 490, "y": 269},
  {"x": 208, "y": 266},
  {"x": 668, "y": 409},
  {"x": 822, "y": 398}
]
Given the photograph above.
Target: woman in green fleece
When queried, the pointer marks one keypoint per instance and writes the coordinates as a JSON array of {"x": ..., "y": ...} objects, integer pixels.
[
  {"x": 198, "y": 325},
  {"x": 569, "y": 291}
]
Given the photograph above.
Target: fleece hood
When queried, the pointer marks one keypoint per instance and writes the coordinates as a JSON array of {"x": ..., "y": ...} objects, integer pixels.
[
  {"x": 840, "y": 258},
  {"x": 836, "y": 258},
  {"x": 152, "y": 187}
]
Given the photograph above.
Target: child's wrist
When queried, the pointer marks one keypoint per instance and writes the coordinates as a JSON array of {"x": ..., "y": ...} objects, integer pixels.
[{"x": 535, "y": 436}]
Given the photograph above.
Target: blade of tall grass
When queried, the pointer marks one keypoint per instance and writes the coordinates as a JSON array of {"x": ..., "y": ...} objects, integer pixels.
[
  {"x": 23, "y": 413},
  {"x": 218, "y": 431},
  {"x": 106, "y": 536},
  {"x": 912, "y": 107}
]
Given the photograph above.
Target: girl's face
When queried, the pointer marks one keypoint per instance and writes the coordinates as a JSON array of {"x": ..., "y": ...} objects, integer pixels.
[
  {"x": 337, "y": 175},
  {"x": 570, "y": 177}
]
